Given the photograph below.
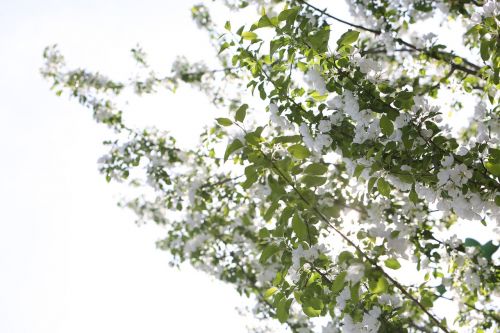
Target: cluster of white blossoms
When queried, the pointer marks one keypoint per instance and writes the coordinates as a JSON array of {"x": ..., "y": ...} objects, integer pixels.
[
  {"x": 491, "y": 8},
  {"x": 367, "y": 125},
  {"x": 104, "y": 110},
  {"x": 369, "y": 324},
  {"x": 316, "y": 81},
  {"x": 195, "y": 243},
  {"x": 371, "y": 68},
  {"x": 316, "y": 144},
  {"x": 301, "y": 255},
  {"x": 182, "y": 67},
  {"x": 458, "y": 174},
  {"x": 360, "y": 9},
  {"x": 355, "y": 273},
  {"x": 278, "y": 120}
]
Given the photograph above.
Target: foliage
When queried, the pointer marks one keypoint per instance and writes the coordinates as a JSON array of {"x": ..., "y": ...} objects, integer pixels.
[{"x": 349, "y": 176}]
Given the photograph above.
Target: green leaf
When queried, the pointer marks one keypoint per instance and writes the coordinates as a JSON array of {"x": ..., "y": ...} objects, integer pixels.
[
  {"x": 224, "y": 121},
  {"x": 241, "y": 113},
  {"x": 386, "y": 126},
  {"x": 227, "y": 26},
  {"x": 224, "y": 46},
  {"x": 426, "y": 301},
  {"x": 269, "y": 292},
  {"x": 282, "y": 310},
  {"x": 470, "y": 242},
  {"x": 485, "y": 49},
  {"x": 300, "y": 228},
  {"x": 288, "y": 14},
  {"x": 487, "y": 249},
  {"x": 251, "y": 177},
  {"x": 371, "y": 183},
  {"x": 413, "y": 196},
  {"x": 319, "y": 40},
  {"x": 313, "y": 181},
  {"x": 316, "y": 169},
  {"x": 287, "y": 139},
  {"x": 382, "y": 286},
  {"x": 392, "y": 263},
  {"x": 383, "y": 187},
  {"x": 331, "y": 211},
  {"x": 298, "y": 151},
  {"x": 338, "y": 282},
  {"x": 345, "y": 256},
  {"x": 270, "y": 211},
  {"x": 493, "y": 168},
  {"x": 232, "y": 147},
  {"x": 348, "y": 38},
  {"x": 249, "y": 35},
  {"x": 268, "y": 252},
  {"x": 311, "y": 312},
  {"x": 358, "y": 170},
  {"x": 264, "y": 22},
  {"x": 441, "y": 289}
]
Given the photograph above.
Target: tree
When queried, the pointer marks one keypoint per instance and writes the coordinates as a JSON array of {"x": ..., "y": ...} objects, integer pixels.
[{"x": 333, "y": 169}]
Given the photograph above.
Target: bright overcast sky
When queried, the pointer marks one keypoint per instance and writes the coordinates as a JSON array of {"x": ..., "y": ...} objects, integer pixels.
[{"x": 70, "y": 259}]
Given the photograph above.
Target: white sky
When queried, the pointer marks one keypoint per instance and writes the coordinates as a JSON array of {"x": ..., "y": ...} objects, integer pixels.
[{"x": 70, "y": 259}]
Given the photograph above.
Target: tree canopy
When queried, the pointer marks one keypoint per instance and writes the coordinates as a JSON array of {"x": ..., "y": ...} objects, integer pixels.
[{"x": 336, "y": 170}]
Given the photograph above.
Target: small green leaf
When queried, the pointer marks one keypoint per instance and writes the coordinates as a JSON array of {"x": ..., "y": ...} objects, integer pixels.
[
  {"x": 270, "y": 211},
  {"x": 383, "y": 187},
  {"x": 269, "y": 292},
  {"x": 268, "y": 252},
  {"x": 485, "y": 49},
  {"x": 386, "y": 126},
  {"x": 249, "y": 35},
  {"x": 493, "y": 168},
  {"x": 331, "y": 211},
  {"x": 288, "y": 14},
  {"x": 313, "y": 181},
  {"x": 413, "y": 196},
  {"x": 251, "y": 177},
  {"x": 224, "y": 46},
  {"x": 227, "y": 26},
  {"x": 441, "y": 289},
  {"x": 319, "y": 39},
  {"x": 381, "y": 287},
  {"x": 224, "y": 121},
  {"x": 282, "y": 310},
  {"x": 392, "y": 263},
  {"x": 241, "y": 113},
  {"x": 316, "y": 169},
  {"x": 338, "y": 282},
  {"x": 264, "y": 22},
  {"x": 426, "y": 301},
  {"x": 287, "y": 139},
  {"x": 300, "y": 228},
  {"x": 348, "y": 37},
  {"x": 298, "y": 151},
  {"x": 487, "y": 249},
  {"x": 311, "y": 312},
  {"x": 232, "y": 147},
  {"x": 470, "y": 242},
  {"x": 358, "y": 170},
  {"x": 371, "y": 183}
]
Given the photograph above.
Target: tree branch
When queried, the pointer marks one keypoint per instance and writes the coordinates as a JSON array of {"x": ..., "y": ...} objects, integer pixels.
[{"x": 473, "y": 70}]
